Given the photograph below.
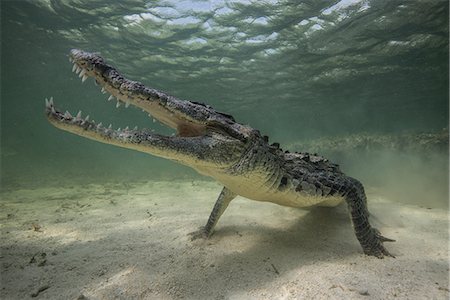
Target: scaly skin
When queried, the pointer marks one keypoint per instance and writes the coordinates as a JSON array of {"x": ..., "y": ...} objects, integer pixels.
[{"x": 215, "y": 145}]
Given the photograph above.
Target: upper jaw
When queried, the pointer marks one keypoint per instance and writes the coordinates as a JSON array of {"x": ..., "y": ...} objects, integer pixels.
[
  {"x": 188, "y": 118},
  {"x": 175, "y": 113}
]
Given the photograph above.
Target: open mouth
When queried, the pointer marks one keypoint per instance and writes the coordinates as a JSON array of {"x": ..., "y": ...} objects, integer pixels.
[
  {"x": 205, "y": 138},
  {"x": 187, "y": 118}
]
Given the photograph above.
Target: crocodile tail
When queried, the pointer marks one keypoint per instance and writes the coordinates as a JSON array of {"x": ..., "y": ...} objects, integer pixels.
[{"x": 370, "y": 238}]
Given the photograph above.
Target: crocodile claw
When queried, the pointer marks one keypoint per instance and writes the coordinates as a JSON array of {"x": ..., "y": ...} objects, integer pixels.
[
  {"x": 379, "y": 251},
  {"x": 385, "y": 239}
]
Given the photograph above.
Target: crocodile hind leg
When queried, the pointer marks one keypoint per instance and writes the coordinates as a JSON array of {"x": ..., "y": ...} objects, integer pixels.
[
  {"x": 222, "y": 202},
  {"x": 370, "y": 238}
]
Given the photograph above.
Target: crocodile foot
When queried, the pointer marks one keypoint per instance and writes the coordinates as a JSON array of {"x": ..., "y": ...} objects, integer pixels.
[
  {"x": 201, "y": 233},
  {"x": 374, "y": 244}
]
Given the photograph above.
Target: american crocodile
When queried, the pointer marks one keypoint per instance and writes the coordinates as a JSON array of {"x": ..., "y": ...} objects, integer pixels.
[{"x": 214, "y": 144}]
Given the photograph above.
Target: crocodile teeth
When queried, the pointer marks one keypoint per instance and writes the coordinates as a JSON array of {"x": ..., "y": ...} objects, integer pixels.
[
  {"x": 103, "y": 90},
  {"x": 84, "y": 78},
  {"x": 135, "y": 128},
  {"x": 53, "y": 110},
  {"x": 110, "y": 126},
  {"x": 51, "y": 101},
  {"x": 67, "y": 115},
  {"x": 87, "y": 118},
  {"x": 83, "y": 71},
  {"x": 110, "y": 97},
  {"x": 48, "y": 103},
  {"x": 99, "y": 125},
  {"x": 74, "y": 68},
  {"x": 127, "y": 104},
  {"x": 117, "y": 104},
  {"x": 78, "y": 70},
  {"x": 79, "y": 115},
  {"x": 70, "y": 59},
  {"x": 126, "y": 128}
]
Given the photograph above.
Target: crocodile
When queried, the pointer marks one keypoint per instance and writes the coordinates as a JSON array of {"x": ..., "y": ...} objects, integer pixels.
[{"x": 215, "y": 145}]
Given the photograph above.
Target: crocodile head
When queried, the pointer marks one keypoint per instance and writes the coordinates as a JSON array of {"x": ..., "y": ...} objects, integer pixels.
[{"x": 205, "y": 138}]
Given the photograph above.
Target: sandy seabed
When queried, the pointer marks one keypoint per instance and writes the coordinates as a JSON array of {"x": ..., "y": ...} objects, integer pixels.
[{"x": 130, "y": 241}]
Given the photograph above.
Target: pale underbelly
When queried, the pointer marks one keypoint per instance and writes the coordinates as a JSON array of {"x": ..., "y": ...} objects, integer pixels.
[
  {"x": 286, "y": 197},
  {"x": 293, "y": 199},
  {"x": 253, "y": 188}
]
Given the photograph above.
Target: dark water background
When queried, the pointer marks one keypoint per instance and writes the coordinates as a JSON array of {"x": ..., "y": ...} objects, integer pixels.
[{"x": 303, "y": 72}]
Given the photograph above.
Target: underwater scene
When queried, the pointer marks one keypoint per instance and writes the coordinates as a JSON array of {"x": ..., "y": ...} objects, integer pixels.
[{"x": 225, "y": 149}]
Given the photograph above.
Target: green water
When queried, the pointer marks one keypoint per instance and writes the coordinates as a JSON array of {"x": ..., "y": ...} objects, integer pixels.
[{"x": 300, "y": 71}]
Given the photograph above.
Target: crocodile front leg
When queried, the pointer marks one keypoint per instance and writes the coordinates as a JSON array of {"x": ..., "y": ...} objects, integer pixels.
[
  {"x": 222, "y": 202},
  {"x": 370, "y": 238}
]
